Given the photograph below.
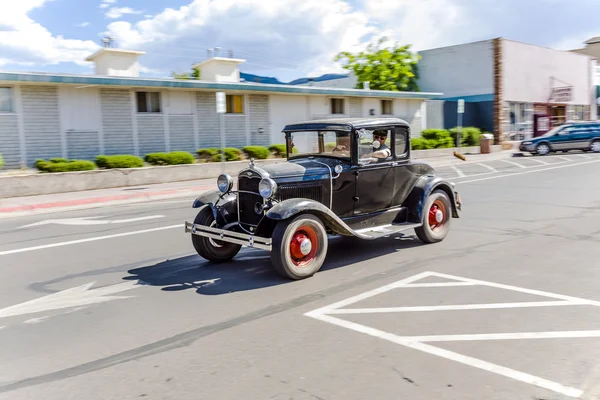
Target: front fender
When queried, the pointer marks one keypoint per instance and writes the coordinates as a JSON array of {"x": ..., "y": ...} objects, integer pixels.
[
  {"x": 223, "y": 206},
  {"x": 289, "y": 208},
  {"x": 422, "y": 189}
]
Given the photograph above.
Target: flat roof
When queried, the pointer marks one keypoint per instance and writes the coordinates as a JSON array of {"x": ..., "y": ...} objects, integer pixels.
[
  {"x": 105, "y": 50},
  {"x": 106, "y": 81},
  {"x": 347, "y": 123}
]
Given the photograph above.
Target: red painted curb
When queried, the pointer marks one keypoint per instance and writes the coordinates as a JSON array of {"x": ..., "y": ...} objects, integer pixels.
[{"x": 97, "y": 200}]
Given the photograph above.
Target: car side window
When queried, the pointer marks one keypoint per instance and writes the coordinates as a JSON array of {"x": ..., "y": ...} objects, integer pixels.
[{"x": 400, "y": 142}]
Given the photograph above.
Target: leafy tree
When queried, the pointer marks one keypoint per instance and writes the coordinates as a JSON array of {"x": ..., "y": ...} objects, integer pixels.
[
  {"x": 195, "y": 74},
  {"x": 393, "y": 68}
]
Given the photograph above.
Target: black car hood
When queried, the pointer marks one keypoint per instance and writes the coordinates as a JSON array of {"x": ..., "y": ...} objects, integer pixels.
[{"x": 302, "y": 167}]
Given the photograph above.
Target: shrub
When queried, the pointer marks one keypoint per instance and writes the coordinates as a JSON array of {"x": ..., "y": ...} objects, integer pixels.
[
  {"x": 67, "y": 166},
  {"x": 231, "y": 154},
  {"x": 278, "y": 149},
  {"x": 172, "y": 158},
  {"x": 469, "y": 135},
  {"x": 1, "y": 161},
  {"x": 58, "y": 160},
  {"x": 258, "y": 152},
  {"x": 119, "y": 161},
  {"x": 435, "y": 134},
  {"x": 207, "y": 153},
  {"x": 421, "y": 144}
]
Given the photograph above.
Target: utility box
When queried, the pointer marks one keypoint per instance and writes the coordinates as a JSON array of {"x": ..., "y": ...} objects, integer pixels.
[{"x": 485, "y": 142}]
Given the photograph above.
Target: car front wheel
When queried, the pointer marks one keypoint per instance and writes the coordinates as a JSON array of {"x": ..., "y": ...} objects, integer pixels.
[
  {"x": 212, "y": 249},
  {"x": 437, "y": 214},
  {"x": 299, "y": 247},
  {"x": 542, "y": 149}
]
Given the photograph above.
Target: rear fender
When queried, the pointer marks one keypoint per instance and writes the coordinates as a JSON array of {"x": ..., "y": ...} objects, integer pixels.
[
  {"x": 422, "y": 189},
  {"x": 223, "y": 206}
]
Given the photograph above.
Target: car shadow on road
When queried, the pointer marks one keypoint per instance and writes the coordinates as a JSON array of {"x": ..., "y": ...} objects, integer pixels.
[{"x": 251, "y": 269}]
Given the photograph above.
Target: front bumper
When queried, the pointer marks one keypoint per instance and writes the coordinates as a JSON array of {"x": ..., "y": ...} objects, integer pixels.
[
  {"x": 527, "y": 147},
  {"x": 228, "y": 236}
]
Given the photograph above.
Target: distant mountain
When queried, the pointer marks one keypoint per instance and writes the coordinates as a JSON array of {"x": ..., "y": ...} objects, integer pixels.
[
  {"x": 260, "y": 79},
  {"x": 274, "y": 81},
  {"x": 326, "y": 77}
]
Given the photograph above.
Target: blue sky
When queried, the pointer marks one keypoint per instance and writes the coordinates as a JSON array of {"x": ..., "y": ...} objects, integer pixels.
[{"x": 283, "y": 38}]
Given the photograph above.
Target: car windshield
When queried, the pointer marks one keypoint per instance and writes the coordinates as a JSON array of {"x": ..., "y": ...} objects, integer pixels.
[
  {"x": 324, "y": 143},
  {"x": 553, "y": 131}
]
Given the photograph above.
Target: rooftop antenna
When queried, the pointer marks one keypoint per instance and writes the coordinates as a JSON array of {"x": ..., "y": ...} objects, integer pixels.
[
  {"x": 217, "y": 50},
  {"x": 107, "y": 41}
]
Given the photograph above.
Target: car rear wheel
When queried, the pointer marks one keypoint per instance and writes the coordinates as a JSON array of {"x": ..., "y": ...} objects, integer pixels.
[
  {"x": 437, "y": 214},
  {"x": 212, "y": 249},
  {"x": 542, "y": 149},
  {"x": 595, "y": 147},
  {"x": 299, "y": 247}
]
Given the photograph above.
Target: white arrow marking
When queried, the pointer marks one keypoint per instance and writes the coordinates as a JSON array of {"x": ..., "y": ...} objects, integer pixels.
[
  {"x": 77, "y": 296},
  {"x": 90, "y": 221}
]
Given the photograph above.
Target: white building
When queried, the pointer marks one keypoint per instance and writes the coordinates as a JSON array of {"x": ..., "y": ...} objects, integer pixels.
[
  {"x": 509, "y": 87},
  {"x": 117, "y": 112}
]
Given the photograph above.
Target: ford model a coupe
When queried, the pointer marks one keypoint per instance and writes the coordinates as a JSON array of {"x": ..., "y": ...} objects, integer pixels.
[{"x": 351, "y": 177}]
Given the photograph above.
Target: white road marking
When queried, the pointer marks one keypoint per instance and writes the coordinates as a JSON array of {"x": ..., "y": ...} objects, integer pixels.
[
  {"x": 457, "y": 307},
  {"x": 488, "y": 167},
  {"x": 92, "y": 239},
  {"x": 505, "y": 336},
  {"x": 538, "y": 161},
  {"x": 458, "y": 171},
  {"x": 450, "y": 355},
  {"x": 436, "y": 284},
  {"x": 514, "y": 163},
  {"x": 90, "y": 221},
  {"x": 564, "y": 158},
  {"x": 583, "y": 155},
  {"x": 74, "y": 297},
  {"x": 418, "y": 342},
  {"x": 36, "y": 320},
  {"x": 528, "y": 172}
]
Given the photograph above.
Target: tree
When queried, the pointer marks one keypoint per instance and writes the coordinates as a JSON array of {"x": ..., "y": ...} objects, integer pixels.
[
  {"x": 384, "y": 68},
  {"x": 195, "y": 74}
]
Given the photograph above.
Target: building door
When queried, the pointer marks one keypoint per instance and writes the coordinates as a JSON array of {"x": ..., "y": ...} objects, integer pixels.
[{"x": 558, "y": 115}]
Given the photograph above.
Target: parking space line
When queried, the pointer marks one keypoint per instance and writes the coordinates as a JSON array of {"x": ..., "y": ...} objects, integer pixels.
[
  {"x": 514, "y": 163},
  {"x": 458, "y": 172},
  {"x": 564, "y": 158},
  {"x": 506, "y": 336},
  {"x": 539, "y": 161},
  {"x": 437, "y": 284},
  {"x": 450, "y": 355},
  {"x": 488, "y": 306},
  {"x": 488, "y": 167}
]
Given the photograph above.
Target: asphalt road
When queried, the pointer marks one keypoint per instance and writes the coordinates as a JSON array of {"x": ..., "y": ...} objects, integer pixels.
[{"x": 113, "y": 303}]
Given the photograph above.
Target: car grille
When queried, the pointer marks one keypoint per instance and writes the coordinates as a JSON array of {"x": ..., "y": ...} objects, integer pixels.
[
  {"x": 303, "y": 191},
  {"x": 246, "y": 201}
]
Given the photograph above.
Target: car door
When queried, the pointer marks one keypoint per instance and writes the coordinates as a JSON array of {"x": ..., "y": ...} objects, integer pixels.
[
  {"x": 584, "y": 135},
  {"x": 374, "y": 179},
  {"x": 564, "y": 139}
]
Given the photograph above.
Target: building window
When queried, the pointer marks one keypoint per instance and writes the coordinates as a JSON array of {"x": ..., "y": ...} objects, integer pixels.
[
  {"x": 386, "y": 107},
  {"x": 337, "y": 106},
  {"x": 148, "y": 102},
  {"x": 6, "y": 102},
  {"x": 235, "y": 103}
]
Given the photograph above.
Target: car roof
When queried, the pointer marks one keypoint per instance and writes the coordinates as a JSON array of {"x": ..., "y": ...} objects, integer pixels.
[{"x": 345, "y": 124}]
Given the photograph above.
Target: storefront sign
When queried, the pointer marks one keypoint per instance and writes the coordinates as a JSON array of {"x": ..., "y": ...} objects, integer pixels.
[
  {"x": 544, "y": 124},
  {"x": 561, "y": 94}
]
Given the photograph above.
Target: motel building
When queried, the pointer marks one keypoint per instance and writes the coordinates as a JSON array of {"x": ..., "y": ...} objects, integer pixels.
[
  {"x": 114, "y": 111},
  {"x": 513, "y": 89}
]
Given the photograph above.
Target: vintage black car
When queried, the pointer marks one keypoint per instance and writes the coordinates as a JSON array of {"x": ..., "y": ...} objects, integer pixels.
[{"x": 350, "y": 177}]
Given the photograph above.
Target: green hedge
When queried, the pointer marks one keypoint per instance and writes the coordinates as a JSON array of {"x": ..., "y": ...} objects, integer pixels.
[
  {"x": 469, "y": 135},
  {"x": 278, "y": 149},
  {"x": 207, "y": 153},
  {"x": 258, "y": 152},
  {"x": 231, "y": 154},
  {"x": 58, "y": 160},
  {"x": 119, "y": 161},
  {"x": 442, "y": 138},
  {"x": 55, "y": 165},
  {"x": 172, "y": 158},
  {"x": 1, "y": 161}
]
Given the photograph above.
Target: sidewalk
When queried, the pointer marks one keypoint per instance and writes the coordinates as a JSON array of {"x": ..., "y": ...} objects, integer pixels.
[{"x": 17, "y": 206}]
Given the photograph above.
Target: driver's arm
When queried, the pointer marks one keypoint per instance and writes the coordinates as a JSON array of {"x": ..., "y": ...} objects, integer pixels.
[{"x": 383, "y": 153}]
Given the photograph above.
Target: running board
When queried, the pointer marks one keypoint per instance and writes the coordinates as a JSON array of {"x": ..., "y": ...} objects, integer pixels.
[{"x": 385, "y": 230}]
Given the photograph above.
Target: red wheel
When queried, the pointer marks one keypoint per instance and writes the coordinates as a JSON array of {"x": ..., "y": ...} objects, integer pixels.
[
  {"x": 437, "y": 214},
  {"x": 299, "y": 247}
]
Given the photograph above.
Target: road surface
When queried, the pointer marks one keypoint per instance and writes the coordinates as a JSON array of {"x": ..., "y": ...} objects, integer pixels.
[{"x": 113, "y": 303}]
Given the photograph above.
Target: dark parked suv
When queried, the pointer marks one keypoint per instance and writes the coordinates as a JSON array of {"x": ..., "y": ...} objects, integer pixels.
[{"x": 571, "y": 136}]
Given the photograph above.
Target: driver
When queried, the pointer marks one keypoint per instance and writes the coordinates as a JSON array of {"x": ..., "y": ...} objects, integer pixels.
[{"x": 380, "y": 149}]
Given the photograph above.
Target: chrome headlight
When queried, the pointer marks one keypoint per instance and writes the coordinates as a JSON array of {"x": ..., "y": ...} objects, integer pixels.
[
  {"x": 267, "y": 188},
  {"x": 526, "y": 143},
  {"x": 224, "y": 183}
]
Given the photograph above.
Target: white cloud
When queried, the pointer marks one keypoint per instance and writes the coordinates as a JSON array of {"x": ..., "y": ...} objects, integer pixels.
[
  {"x": 118, "y": 12},
  {"x": 25, "y": 42},
  {"x": 107, "y": 3},
  {"x": 83, "y": 24}
]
